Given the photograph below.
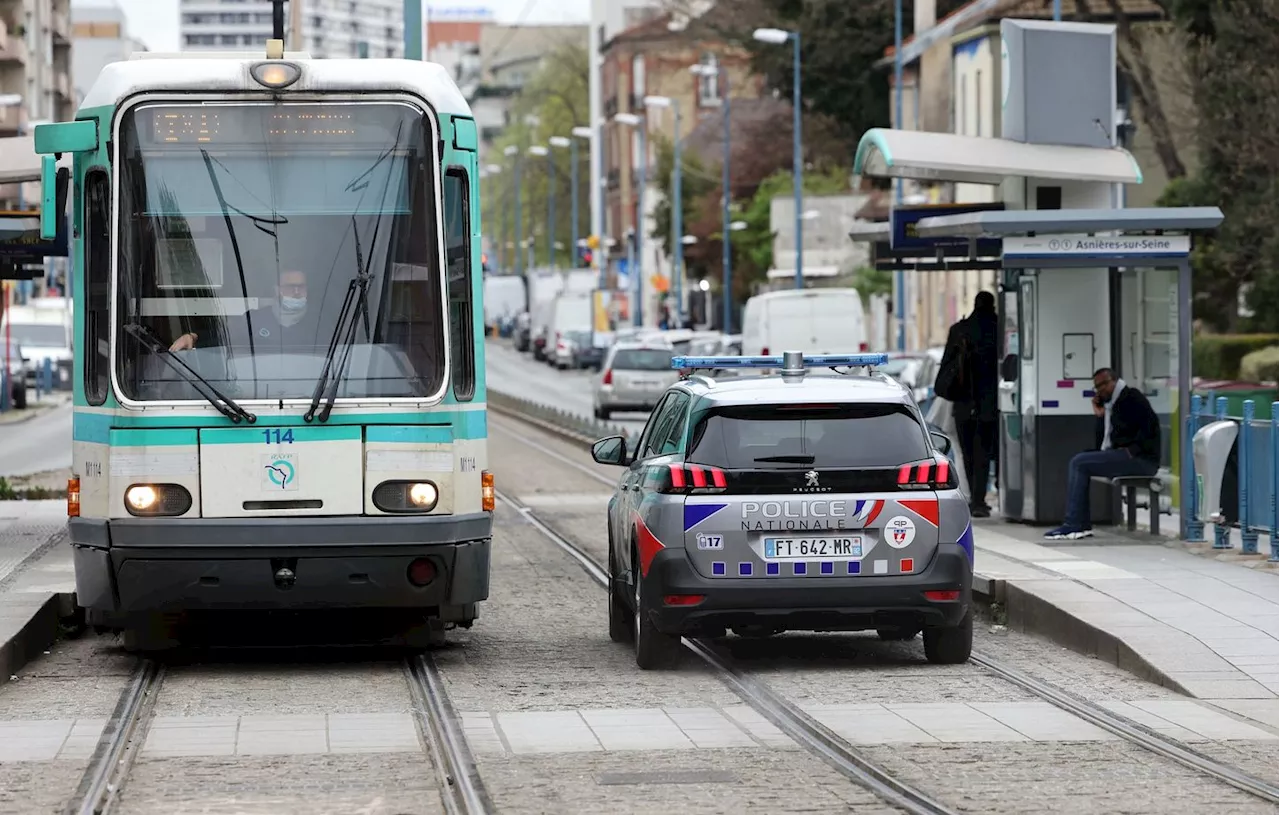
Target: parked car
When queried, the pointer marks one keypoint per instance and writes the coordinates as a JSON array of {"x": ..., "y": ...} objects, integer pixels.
[
  {"x": 575, "y": 349},
  {"x": 19, "y": 369},
  {"x": 636, "y": 375},
  {"x": 915, "y": 369},
  {"x": 520, "y": 335}
]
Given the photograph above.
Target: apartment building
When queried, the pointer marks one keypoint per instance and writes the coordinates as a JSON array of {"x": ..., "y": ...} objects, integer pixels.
[
  {"x": 35, "y": 63},
  {"x": 100, "y": 36},
  {"x": 329, "y": 28}
]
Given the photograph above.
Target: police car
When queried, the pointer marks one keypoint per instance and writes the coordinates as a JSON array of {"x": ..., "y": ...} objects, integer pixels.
[{"x": 792, "y": 500}]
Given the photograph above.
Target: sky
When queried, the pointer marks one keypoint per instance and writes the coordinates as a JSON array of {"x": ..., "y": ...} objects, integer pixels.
[{"x": 155, "y": 22}]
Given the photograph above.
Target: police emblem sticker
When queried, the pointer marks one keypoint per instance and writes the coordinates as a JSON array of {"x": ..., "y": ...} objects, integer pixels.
[{"x": 899, "y": 532}]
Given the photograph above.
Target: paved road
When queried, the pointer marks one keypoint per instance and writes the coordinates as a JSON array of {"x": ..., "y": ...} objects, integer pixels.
[
  {"x": 517, "y": 374},
  {"x": 36, "y": 445}
]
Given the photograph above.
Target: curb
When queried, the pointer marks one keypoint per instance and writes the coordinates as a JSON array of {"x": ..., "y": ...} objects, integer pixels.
[
  {"x": 32, "y": 413},
  {"x": 1024, "y": 611},
  {"x": 1028, "y": 613},
  {"x": 36, "y": 635}
]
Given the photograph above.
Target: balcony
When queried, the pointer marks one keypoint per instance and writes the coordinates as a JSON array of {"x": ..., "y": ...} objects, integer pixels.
[
  {"x": 13, "y": 120},
  {"x": 12, "y": 48},
  {"x": 61, "y": 27}
]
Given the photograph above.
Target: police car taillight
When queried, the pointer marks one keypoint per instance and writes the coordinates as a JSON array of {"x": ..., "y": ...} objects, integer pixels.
[
  {"x": 925, "y": 475},
  {"x": 681, "y": 478}
]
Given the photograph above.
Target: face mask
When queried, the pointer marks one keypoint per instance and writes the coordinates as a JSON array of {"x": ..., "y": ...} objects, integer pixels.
[{"x": 293, "y": 305}]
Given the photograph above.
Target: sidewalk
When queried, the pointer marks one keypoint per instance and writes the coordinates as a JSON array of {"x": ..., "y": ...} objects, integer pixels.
[
  {"x": 36, "y": 407},
  {"x": 37, "y": 580},
  {"x": 1206, "y": 628}
]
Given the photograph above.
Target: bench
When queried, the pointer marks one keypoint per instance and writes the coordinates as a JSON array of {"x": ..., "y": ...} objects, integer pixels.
[{"x": 1128, "y": 486}]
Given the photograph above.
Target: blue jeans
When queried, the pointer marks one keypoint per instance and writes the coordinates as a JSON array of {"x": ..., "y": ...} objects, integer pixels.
[{"x": 1106, "y": 463}]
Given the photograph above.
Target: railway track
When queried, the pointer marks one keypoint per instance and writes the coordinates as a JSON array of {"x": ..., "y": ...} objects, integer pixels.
[
  {"x": 846, "y": 758},
  {"x": 461, "y": 790}
]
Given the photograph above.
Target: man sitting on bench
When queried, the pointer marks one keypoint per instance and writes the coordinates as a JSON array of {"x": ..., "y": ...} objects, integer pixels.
[{"x": 1128, "y": 439}]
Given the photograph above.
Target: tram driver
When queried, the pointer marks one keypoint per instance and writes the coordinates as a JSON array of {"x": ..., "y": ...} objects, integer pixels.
[{"x": 286, "y": 322}]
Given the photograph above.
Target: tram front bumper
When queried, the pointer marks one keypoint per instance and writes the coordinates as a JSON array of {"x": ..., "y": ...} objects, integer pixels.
[{"x": 168, "y": 564}]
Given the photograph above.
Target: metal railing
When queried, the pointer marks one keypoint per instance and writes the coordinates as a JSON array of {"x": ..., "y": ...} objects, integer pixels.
[
  {"x": 585, "y": 427},
  {"x": 1257, "y": 472}
]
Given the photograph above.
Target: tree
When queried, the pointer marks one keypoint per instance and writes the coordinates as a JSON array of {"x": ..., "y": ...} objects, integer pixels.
[
  {"x": 1232, "y": 54},
  {"x": 552, "y": 103}
]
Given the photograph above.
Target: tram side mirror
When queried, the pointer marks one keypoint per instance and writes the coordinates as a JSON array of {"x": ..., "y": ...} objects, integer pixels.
[
  {"x": 49, "y": 213},
  {"x": 610, "y": 450},
  {"x": 1009, "y": 368},
  {"x": 941, "y": 442},
  {"x": 52, "y": 140}
]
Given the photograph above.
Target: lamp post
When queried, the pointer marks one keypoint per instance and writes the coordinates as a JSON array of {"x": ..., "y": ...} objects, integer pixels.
[
  {"x": 412, "y": 30},
  {"x": 776, "y": 36},
  {"x": 722, "y": 78},
  {"x": 540, "y": 151},
  {"x": 579, "y": 133},
  {"x": 632, "y": 120},
  {"x": 513, "y": 153},
  {"x": 562, "y": 142},
  {"x": 677, "y": 206},
  {"x": 492, "y": 170},
  {"x": 900, "y": 277}
]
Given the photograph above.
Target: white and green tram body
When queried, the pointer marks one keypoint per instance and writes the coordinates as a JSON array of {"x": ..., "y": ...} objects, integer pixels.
[{"x": 249, "y": 218}]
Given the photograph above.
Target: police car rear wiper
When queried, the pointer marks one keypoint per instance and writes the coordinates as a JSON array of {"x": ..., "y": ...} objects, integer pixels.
[
  {"x": 785, "y": 459},
  {"x": 225, "y": 405}
]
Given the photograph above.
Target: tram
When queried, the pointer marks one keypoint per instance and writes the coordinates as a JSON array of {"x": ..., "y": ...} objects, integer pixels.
[{"x": 279, "y": 376}]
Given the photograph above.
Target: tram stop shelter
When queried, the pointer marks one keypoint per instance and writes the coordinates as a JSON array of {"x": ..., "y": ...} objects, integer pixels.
[{"x": 1080, "y": 289}]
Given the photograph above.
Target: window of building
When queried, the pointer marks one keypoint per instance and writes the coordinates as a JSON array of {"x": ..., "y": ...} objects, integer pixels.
[
  {"x": 457, "y": 248},
  {"x": 637, "y": 76},
  {"x": 964, "y": 105},
  {"x": 709, "y": 86},
  {"x": 97, "y": 283},
  {"x": 977, "y": 102}
]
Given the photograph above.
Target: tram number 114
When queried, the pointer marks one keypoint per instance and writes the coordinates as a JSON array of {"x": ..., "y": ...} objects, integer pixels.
[{"x": 274, "y": 436}]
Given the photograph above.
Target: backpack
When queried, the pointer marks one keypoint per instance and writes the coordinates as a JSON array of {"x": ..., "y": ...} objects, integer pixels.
[{"x": 952, "y": 382}]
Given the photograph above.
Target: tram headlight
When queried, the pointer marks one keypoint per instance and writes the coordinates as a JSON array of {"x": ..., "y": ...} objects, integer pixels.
[
  {"x": 406, "y": 496},
  {"x": 151, "y": 500},
  {"x": 275, "y": 74}
]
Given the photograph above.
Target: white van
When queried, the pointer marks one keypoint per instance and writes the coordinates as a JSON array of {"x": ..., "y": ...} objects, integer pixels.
[
  {"x": 816, "y": 321},
  {"x": 43, "y": 329},
  {"x": 571, "y": 325},
  {"x": 503, "y": 299}
]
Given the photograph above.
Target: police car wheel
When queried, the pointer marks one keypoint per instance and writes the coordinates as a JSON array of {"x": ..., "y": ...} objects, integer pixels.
[
  {"x": 619, "y": 615},
  {"x": 950, "y": 646},
  {"x": 654, "y": 649},
  {"x": 897, "y": 634}
]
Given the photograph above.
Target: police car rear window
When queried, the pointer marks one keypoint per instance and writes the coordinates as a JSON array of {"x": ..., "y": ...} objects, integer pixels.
[
  {"x": 782, "y": 436},
  {"x": 643, "y": 359}
]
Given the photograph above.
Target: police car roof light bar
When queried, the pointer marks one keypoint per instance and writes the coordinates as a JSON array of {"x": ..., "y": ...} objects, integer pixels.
[{"x": 815, "y": 361}]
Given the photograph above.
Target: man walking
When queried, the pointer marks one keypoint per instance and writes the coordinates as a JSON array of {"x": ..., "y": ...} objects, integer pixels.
[
  {"x": 1128, "y": 439},
  {"x": 968, "y": 377}
]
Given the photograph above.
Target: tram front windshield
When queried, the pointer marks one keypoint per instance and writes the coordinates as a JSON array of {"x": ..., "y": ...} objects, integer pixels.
[{"x": 251, "y": 236}]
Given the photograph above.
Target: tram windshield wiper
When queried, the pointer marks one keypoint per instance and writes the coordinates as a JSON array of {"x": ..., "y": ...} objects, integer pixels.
[
  {"x": 354, "y": 306},
  {"x": 225, "y": 404}
]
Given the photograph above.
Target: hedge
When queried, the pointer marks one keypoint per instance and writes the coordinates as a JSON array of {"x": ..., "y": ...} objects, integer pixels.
[{"x": 1217, "y": 356}]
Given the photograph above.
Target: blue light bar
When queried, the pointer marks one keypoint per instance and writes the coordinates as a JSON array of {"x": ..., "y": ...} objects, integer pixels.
[{"x": 816, "y": 361}]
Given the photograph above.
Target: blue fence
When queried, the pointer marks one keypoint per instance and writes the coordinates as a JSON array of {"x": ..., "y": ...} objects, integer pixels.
[{"x": 1258, "y": 474}]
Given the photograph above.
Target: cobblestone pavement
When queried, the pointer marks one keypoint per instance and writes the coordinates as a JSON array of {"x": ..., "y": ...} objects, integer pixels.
[{"x": 954, "y": 730}]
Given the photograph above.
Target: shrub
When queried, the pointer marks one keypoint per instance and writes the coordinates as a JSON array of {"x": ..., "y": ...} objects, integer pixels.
[
  {"x": 1262, "y": 365},
  {"x": 1217, "y": 356}
]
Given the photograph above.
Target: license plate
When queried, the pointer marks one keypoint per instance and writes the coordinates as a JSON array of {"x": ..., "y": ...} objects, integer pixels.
[
  {"x": 647, "y": 384},
  {"x": 812, "y": 548}
]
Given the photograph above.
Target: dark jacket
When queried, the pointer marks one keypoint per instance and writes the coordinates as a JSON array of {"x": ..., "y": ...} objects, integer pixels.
[
  {"x": 981, "y": 329},
  {"x": 1134, "y": 426}
]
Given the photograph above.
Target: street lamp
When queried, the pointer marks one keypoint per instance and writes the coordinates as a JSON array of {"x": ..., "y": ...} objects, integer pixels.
[
  {"x": 562, "y": 142},
  {"x": 632, "y": 120},
  {"x": 513, "y": 153},
  {"x": 677, "y": 207},
  {"x": 579, "y": 133},
  {"x": 721, "y": 75},
  {"x": 489, "y": 171},
  {"x": 540, "y": 151},
  {"x": 776, "y": 36}
]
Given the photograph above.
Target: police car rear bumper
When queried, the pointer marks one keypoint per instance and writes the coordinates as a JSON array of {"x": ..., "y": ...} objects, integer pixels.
[{"x": 807, "y": 603}]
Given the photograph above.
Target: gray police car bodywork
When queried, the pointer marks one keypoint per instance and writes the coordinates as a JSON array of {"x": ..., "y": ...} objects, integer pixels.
[{"x": 713, "y": 544}]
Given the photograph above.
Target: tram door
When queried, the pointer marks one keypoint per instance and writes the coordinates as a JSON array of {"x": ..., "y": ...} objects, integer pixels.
[{"x": 1017, "y": 396}]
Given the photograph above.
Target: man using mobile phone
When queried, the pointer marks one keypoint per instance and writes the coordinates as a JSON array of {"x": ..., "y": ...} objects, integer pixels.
[{"x": 1128, "y": 441}]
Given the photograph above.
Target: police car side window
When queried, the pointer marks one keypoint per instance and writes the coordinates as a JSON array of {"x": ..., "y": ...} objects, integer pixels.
[
  {"x": 672, "y": 442},
  {"x": 650, "y": 429},
  {"x": 665, "y": 415}
]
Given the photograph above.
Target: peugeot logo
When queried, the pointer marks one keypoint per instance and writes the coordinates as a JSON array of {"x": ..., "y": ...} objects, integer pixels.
[{"x": 811, "y": 478}]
